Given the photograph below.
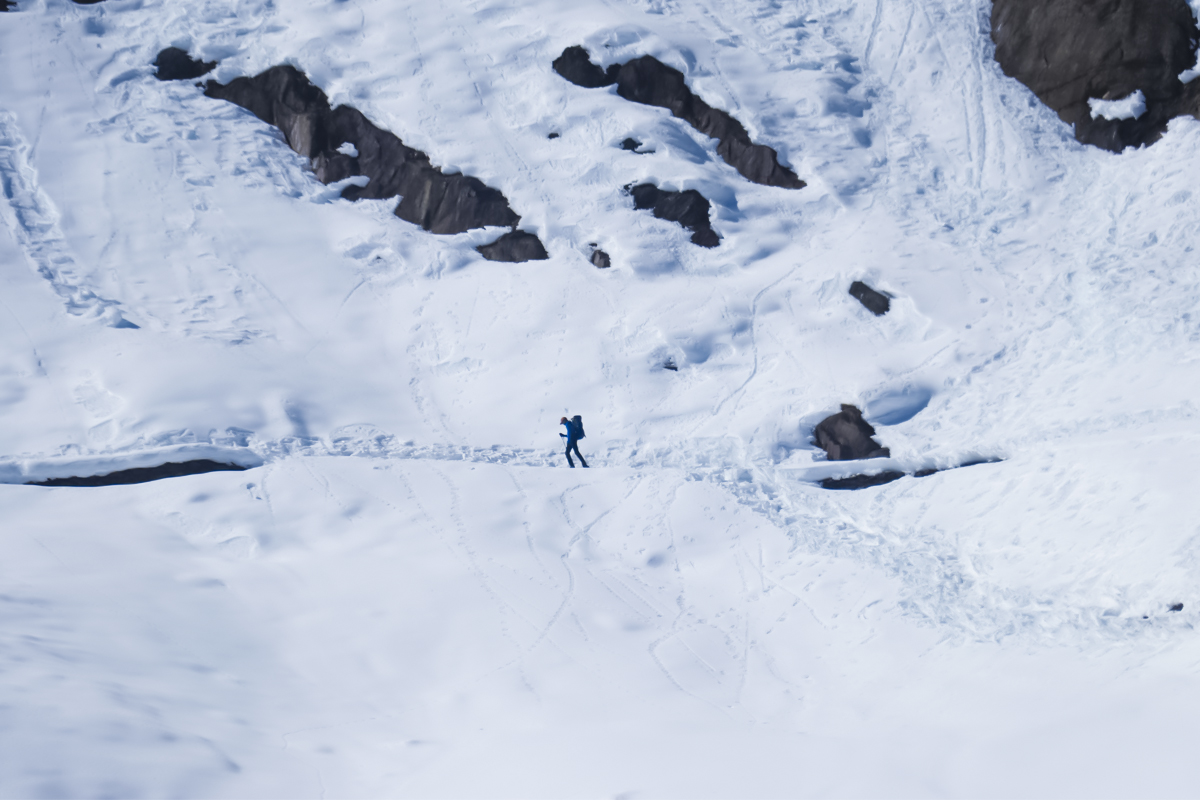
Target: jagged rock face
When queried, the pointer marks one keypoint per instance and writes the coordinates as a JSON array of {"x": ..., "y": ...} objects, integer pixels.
[
  {"x": 846, "y": 436},
  {"x": 514, "y": 246},
  {"x": 688, "y": 208},
  {"x": 174, "y": 64},
  {"x": 1068, "y": 51},
  {"x": 648, "y": 81},
  {"x": 5, "y": 5},
  {"x": 600, "y": 259},
  {"x": 875, "y": 302},
  {"x": 282, "y": 96}
]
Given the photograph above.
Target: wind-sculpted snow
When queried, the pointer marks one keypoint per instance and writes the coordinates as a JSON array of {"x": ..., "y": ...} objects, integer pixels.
[
  {"x": 440, "y": 203},
  {"x": 648, "y": 81},
  {"x": 1073, "y": 52}
]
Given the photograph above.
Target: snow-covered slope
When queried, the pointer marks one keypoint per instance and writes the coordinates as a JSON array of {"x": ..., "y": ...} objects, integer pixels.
[{"x": 410, "y": 597}]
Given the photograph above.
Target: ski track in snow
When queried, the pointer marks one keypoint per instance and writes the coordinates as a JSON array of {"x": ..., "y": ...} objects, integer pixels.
[
  {"x": 31, "y": 216},
  {"x": 940, "y": 590}
]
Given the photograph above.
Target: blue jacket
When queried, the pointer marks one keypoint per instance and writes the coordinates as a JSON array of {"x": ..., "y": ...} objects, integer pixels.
[{"x": 572, "y": 434}]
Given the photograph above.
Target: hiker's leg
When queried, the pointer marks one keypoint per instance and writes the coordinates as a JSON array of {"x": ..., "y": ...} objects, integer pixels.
[
  {"x": 569, "y": 461},
  {"x": 581, "y": 461}
]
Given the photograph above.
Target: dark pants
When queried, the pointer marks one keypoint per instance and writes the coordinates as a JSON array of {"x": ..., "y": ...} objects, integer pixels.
[{"x": 573, "y": 444}]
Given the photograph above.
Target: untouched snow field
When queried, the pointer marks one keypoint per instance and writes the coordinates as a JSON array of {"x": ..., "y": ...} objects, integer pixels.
[{"x": 408, "y": 595}]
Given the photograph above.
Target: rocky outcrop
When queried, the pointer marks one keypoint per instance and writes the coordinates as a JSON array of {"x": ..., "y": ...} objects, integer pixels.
[
  {"x": 1071, "y": 51},
  {"x": 5, "y": 5},
  {"x": 600, "y": 259},
  {"x": 846, "y": 436},
  {"x": 648, "y": 81},
  {"x": 689, "y": 208},
  {"x": 514, "y": 246},
  {"x": 875, "y": 302},
  {"x": 341, "y": 143},
  {"x": 174, "y": 64}
]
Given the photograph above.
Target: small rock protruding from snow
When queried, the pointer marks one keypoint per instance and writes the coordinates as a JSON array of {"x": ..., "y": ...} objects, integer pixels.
[
  {"x": 1176, "y": 607},
  {"x": 599, "y": 258},
  {"x": 875, "y": 302},
  {"x": 553, "y": 135},
  {"x": 631, "y": 144},
  {"x": 670, "y": 364},
  {"x": 514, "y": 246},
  {"x": 648, "y": 81},
  {"x": 689, "y": 208},
  {"x": 846, "y": 436},
  {"x": 174, "y": 64}
]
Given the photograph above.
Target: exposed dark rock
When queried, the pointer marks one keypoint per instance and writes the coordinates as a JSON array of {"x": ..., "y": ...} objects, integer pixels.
[
  {"x": 143, "y": 474},
  {"x": 282, "y": 96},
  {"x": 670, "y": 364},
  {"x": 576, "y": 66},
  {"x": 648, "y": 81},
  {"x": 514, "y": 246},
  {"x": 846, "y": 436},
  {"x": 600, "y": 259},
  {"x": 887, "y": 476},
  {"x": 1068, "y": 51},
  {"x": 176, "y": 65},
  {"x": 688, "y": 208},
  {"x": 554, "y": 135},
  {"x": 631, "y": 144},
  {"x": 88, "y": 2},
  {"x": 875, "y": 302},
  {"x": 862, "y": 481},
  {"x": 1176, "y": 607},
  {"x": 5, "y": 5}
]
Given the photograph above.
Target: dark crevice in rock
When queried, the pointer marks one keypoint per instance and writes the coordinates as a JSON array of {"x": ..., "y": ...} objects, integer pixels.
[
  {"x": 862, "y": 481},
  {"x": 1070, "y": 51},
  {"x": 341, "y": 143},
  {"x": 846, "y": 436},
  {"x": 648, "y": 81},
  {"x": 174, "y": 64},
  {"x": 514, "y": 246},
  {"x": 887, "y": 476},
  {"x": 143, "y": 474},
  {"x": 688, "y": 208},
  {"x": 875, "y": 302}
]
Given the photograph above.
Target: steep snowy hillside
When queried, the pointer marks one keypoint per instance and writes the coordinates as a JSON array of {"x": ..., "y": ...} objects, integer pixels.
[{"x": 405, "y": 594}]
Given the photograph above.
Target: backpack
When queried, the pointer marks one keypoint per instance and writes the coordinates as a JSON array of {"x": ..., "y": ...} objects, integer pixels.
[{"x": 577, "y": 424}]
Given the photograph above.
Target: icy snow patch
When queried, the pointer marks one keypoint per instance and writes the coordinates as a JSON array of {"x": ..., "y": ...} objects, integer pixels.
[{"x": 1130, "y": 107}]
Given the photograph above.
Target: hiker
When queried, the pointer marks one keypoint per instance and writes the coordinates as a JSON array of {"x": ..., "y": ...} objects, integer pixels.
[{"x": 573, "y": 435}]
